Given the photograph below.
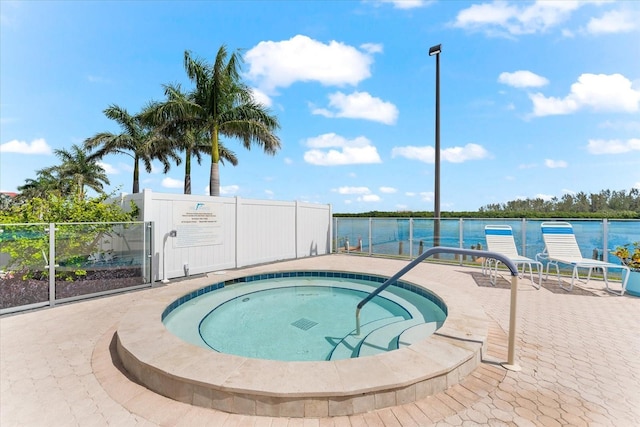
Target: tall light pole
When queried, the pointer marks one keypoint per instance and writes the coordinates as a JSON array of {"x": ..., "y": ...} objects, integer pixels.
[{"x": 435, "y": 50}]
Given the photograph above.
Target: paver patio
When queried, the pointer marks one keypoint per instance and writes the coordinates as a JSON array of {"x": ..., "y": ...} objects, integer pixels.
[{"x": 579, "y": 353}]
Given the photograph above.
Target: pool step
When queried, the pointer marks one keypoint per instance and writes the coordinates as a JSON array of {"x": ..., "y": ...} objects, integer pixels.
[
  {"x": 385, "y": 338},
  {"x": 417, "y": 333},
  {"x": 349, "y": 346}
]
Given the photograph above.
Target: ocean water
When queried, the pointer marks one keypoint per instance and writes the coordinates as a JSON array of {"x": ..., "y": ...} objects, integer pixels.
[{"x": 403, "y": 236}]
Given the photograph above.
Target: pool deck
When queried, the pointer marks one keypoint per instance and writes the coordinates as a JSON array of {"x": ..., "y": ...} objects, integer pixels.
[{"x": 579, "y": 353}]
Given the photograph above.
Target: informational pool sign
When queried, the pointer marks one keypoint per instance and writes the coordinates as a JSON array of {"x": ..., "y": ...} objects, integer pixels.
[{"x": 197, "y": 224}]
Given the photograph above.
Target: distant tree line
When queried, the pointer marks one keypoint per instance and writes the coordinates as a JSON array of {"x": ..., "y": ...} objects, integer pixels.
[{"x": 606, "y": 204}]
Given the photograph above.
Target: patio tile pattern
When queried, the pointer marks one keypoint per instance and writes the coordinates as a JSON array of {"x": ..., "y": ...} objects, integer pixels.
[{"x": 579, "y": 353}]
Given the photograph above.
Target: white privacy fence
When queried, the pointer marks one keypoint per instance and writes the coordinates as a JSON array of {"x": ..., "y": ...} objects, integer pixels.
[{"x": 199, "y": 234}]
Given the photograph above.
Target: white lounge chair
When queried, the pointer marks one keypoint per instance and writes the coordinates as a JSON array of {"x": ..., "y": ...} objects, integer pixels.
[
  {"x": 500, "y": 239},
  {"x": 561, "y": 247}
]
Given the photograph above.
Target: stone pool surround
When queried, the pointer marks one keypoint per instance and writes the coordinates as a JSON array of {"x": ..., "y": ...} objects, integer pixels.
[{"x": 187, "y": 373}]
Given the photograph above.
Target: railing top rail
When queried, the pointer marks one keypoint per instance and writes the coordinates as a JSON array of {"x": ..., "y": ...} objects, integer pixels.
[
  {"x": 12, "y": 224},
  {"x": 437, "y": 250}
]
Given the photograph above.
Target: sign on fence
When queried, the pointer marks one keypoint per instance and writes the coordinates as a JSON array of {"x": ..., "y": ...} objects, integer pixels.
[{"x": 197, "y": 224}]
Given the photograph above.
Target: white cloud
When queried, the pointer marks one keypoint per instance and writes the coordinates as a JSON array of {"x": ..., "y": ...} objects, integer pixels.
[
  {"x": 172, "y": 183},
  {"x": 555, "y": 164},
  {"x": 426, "y": 154},
  {"x": 369, "y": 198},
  {"x": 462, "y": 154},
  {"x": 261, "y": 97},
  {"x": 302, "y": 59},
  {"x": 332, "y": 140},
  {"x": 522, "y": 78},
  {"x": 353, "y": 190},
  {"x": 502, "y": 18},
  {"x": 269, "y": 193},
  {"x": 613, "y": 146},
  {"x": 109, "y": 169},
  {"x": 597, "y": 92},
  {"x": 360, "y": 105},
  {"x": 427, "y": 196},
  {"x": 37, "y": 146},
  {"x": 228, "y": 190},
  {"x": 388, "y": 190},
  {"x": 407, "y": 4},
  {"x": 614, "y": 21},
  {"x": 348, "y": 152},
  {"x": 372, "y": 47}
]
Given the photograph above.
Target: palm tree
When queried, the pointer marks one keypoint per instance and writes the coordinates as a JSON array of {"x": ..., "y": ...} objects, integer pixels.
[
  {"x": 47, "y": 182},
  {"x": 195, "y": 143},
  {"x": 137, "y": 141},
  {"x": 221, "y": 104},
  {"x": 172, "y": 121},
  {"x": 81, "y": 170}
]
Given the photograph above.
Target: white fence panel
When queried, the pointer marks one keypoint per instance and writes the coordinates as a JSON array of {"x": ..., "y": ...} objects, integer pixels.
[
  {"x": 200, "y": 234},
  {"x": 314, "y": 230},
  {"x": 266, "y": 231}
]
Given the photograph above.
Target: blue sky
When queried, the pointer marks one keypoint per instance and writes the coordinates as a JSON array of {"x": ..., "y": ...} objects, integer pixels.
[{"x": 538, "y": 99}]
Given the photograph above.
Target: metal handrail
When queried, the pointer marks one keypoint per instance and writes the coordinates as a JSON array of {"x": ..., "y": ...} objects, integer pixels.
[{"x": 471, "y": 252}]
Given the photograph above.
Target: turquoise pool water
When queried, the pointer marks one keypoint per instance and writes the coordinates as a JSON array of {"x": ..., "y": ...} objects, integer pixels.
[{"x": 297, "y": 318}]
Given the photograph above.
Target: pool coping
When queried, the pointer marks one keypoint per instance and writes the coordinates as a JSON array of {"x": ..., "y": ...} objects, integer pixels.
[{"x": 242, "y": 385}]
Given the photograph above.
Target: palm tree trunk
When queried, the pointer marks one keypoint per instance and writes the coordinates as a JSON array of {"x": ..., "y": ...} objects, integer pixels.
[
  {"x": 187, "y": 172},
  {"x": 136, "y": 175},
  {"x": 214, "y": 180},
  {"x": 80, "y": 188},
  {"x": 214, "y": 176}
]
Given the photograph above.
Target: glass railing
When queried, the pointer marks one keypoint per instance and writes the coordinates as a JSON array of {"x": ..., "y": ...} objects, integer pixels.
[
  {"x": 409, "y": 237},
  {"x": 44, "y": 264},
  {"x": 24, "y": 274}
]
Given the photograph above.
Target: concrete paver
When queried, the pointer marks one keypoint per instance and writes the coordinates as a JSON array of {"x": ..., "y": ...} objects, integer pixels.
[{"x": 579, "y": 353}]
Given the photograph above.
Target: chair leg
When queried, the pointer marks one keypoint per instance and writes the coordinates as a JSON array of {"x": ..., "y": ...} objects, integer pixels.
[
  {"x": 589, "y": 275},
  {"x": 604, "y": 274},
  {"x": 531, "y": 273},
  {"x": 574, "y": 275},
  {"x": 560, "y": 281},
  {"x": 493, "y": 277}
]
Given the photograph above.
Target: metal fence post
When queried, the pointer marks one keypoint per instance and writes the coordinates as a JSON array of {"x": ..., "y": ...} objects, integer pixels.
[
  {"x": 52, "y": 264},
  {"x": 605, "y": 240},
  {"x": 370, "y": 236}
]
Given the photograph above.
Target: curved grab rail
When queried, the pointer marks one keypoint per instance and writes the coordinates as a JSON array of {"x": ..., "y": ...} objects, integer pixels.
[
  {"x": 438, "y": 250},
  {"x": 472, "y": 252}
]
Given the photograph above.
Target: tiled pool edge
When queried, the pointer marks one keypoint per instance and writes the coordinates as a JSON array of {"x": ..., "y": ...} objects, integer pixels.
[
  {"x": 304, "y": 274},
  {"x": 299, "y": 389}
]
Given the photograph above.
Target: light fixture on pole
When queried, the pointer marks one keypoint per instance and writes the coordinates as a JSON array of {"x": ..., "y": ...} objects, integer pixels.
[{"x": 435, "y": 50}]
